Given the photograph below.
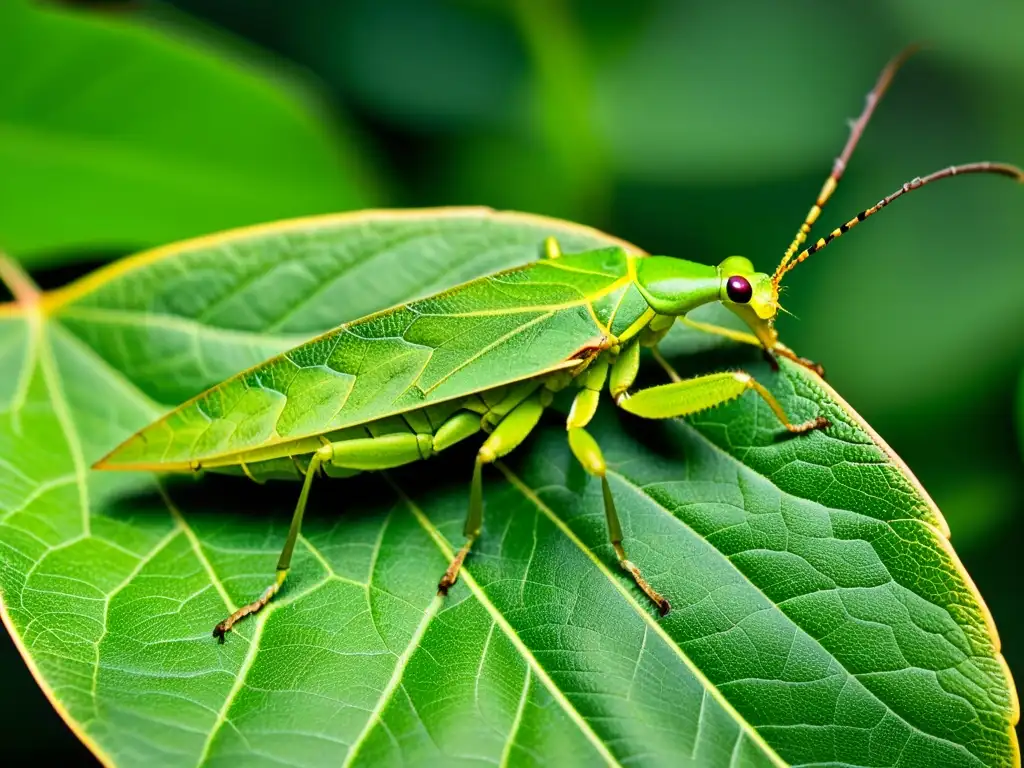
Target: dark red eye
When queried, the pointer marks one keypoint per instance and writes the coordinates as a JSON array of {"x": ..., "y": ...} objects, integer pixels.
[{"x": 738, "y": 289}]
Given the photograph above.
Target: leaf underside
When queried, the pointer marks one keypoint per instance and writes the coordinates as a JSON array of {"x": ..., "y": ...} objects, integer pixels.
[{"x": 819, "y": 615}]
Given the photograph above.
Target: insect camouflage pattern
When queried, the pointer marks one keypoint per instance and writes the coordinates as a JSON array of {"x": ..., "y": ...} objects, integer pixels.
[{"x": 487, "y": 357}]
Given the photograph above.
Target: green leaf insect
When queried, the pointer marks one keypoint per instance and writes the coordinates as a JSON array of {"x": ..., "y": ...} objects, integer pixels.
[{"x": 488, "y": 356}]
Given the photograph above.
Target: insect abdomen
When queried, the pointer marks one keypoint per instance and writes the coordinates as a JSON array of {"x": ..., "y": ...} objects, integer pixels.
[{"x": 288, "y": 461}]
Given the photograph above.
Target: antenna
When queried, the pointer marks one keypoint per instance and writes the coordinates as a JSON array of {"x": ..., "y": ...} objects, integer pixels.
[
  {"x": 839, "y": 166},
  {"x": 1002, "y": 169}
]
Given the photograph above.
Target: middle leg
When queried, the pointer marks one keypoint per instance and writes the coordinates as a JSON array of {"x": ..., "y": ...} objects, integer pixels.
[
  {"x": 586, "y": 450},
  {"x": 512, "y": 430}
]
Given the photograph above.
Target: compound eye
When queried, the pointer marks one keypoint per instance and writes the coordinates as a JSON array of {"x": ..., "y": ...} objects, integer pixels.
[{"x": 738, "y": 289}]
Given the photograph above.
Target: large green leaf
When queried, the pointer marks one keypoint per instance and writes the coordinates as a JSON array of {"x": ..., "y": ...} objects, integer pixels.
[
  {"x": 116, "y": 134},
  {"x": 819, "y": 613}
]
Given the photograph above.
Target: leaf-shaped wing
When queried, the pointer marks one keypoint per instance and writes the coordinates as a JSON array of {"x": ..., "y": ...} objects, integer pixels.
[{"x": 491, "y": 331}]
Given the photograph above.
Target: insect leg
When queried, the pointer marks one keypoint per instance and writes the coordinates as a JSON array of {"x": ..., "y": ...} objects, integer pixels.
[
  {"x": 719, "y": 330},
  {"x": 284, "y": 562},
  {"x": 371, "y": 453},
  {"x": 682, "y": 398},
  {"x": 507, "y": 435},
  {"x": 778, "y": 347},
  {"x": 588, "y": 453},
  {"x": 624, "y": 370},
  {"x": 514, "y": 395}
]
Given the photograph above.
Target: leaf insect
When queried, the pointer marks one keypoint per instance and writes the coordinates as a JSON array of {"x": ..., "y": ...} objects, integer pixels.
[{"x": 404, "y": 384}]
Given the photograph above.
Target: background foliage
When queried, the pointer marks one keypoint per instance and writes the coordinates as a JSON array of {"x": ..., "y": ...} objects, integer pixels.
[{"x": 691, "y": 129}]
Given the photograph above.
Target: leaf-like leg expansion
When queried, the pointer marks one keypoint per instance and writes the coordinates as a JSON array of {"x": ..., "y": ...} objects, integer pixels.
[
  {"x": 507, "y": 435},
  {"x": 587, "y": 451},
  {"x": 682, "y": 398}
]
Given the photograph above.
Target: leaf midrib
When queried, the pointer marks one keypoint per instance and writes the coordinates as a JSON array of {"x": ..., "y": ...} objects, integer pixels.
[{"x": 54, "y": 385}]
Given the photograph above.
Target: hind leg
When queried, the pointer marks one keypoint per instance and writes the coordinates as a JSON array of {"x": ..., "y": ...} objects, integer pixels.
[{"x": 361, "y": 454}]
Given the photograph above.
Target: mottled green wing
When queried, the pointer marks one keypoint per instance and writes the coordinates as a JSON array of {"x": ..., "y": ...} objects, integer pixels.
[{"x": 498, "y": 329}]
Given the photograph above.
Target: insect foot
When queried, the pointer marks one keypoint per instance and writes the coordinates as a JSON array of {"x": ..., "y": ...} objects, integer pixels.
[
  {"x": 782, "y": 350},
  {"x": 452, "y": 574},
  {"x": 654, "y": 596},
  {"x": 818, "y": 422},
  {"x": 810, "y": 365},
  {"x": 255, "y": 606},
  {"x": 818, "y": 368}
]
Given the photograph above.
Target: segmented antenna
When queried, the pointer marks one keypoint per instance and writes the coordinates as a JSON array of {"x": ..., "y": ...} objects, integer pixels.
[
  {"x": 1002, "y": 169},
  {"x": 839, "y": 165}
]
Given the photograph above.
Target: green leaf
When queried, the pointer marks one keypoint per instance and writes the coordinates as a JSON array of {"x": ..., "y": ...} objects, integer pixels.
[
  {"x": 123, "y": 135},
  {"x": 819, "y": 613}
]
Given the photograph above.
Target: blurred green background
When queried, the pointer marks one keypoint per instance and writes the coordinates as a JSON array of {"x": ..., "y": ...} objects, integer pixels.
[{"x": 694, "y": 129}]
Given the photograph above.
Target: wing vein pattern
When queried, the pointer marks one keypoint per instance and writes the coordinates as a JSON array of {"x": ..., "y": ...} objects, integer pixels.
[{"x": 503, "y": 328}]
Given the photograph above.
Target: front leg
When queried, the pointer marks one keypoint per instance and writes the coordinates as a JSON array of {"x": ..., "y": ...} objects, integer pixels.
[
  {"x": 771, "y": 351},
  {"x": 784, "y": 351}
]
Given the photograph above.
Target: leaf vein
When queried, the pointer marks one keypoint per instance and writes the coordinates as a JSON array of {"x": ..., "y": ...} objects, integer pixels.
[
  {"x": 517, "y": 721},
  {"x": 467, "y": 577},
  {"x": 395, "y": 681},
  {"x": 530, "y": 495},
  {"x": 771, "y": 604}
]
